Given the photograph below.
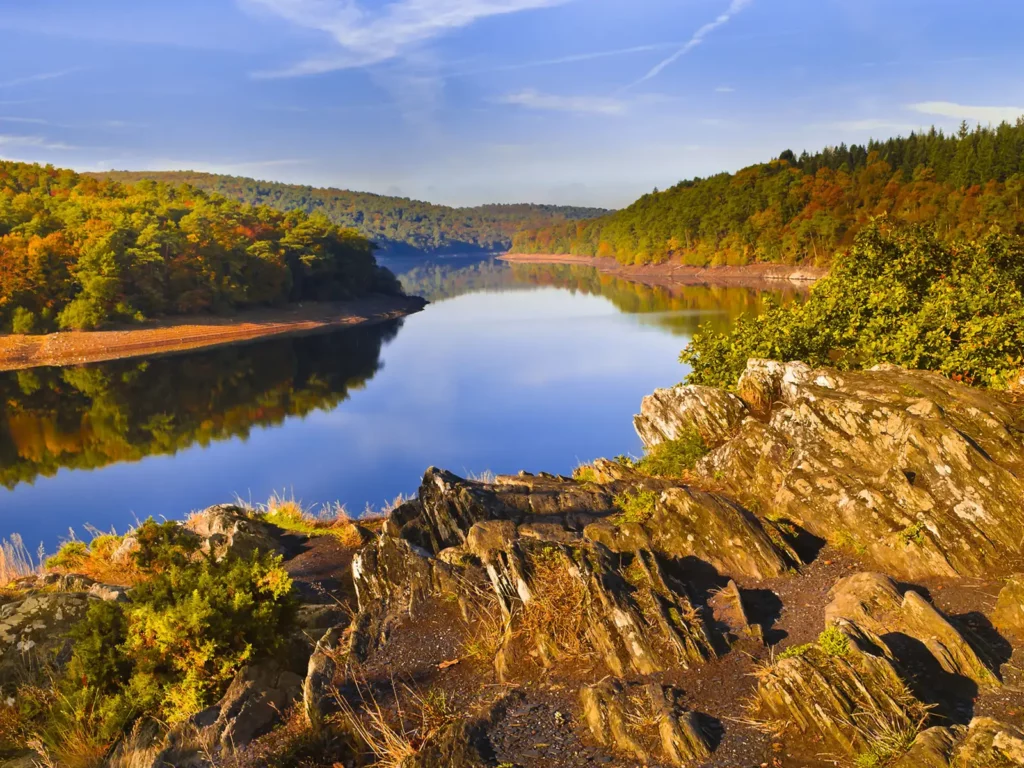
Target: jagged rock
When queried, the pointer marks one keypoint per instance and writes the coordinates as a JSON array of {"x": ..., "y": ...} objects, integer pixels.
[
  {"x": 1009, "y": 611},
  {"x": 844, "y": 700},
  {"x": 730, "y": 610},
  {"x": 226, "y": 528},
  {"x": 669, "y": 414},
  {"x": 932, "y": 748},
  {"x": 990, "y": 744},
  {"x": 644, "y": 721},
  {"x": 318, "y": 685},
  {"x": 253, "y": 704},
  {"x": 687, "y": 522},
  {"x": 873, "y": 602},
  {"x": 907, "y": 468},
  {"x": 109, "y": 593},
  {"x": 36, "y": 628},
  {"x": 129, "y": 545},
  {"x": 632, "y": 617},
  {"x": 985, "y": 743}
]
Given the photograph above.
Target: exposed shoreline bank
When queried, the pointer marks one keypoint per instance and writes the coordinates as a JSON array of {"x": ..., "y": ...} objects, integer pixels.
[
  {"x": 663, "y": 274},
  {"x": 197, "y": 332}
]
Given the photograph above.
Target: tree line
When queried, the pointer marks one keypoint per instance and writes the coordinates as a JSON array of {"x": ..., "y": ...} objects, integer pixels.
[
  {"x": 77, "y": 252},
  {"x": 803, "y": 209},
  {"x": 396, "y": 224}
]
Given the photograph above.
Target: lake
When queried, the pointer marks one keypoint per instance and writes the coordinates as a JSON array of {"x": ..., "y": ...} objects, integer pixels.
[{"x": 510, "y": 367}]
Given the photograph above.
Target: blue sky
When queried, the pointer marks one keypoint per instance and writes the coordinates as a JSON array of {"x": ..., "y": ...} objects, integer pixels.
[{"x": 470, "y": 101}]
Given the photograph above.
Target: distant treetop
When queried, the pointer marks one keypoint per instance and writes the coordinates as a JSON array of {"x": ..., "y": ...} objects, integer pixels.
[
  {"x": 395, "y": 224},
  {"x": 803, "y": 209}
]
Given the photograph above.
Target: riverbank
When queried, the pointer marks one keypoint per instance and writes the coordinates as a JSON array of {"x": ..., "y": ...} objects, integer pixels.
[
  {"x": 755, "y": 275},
  {"x": 179, "y": 334}
]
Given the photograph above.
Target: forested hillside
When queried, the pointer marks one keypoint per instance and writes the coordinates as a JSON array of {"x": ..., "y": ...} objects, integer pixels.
[
  {"x": 76, "y": 252},
  {"x": 395, "y": 224},
  {"x": 803, "y": 209}
]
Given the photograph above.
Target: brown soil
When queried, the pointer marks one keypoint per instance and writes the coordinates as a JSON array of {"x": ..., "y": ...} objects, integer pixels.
[
  {"x": 754, "y": 275},
  {"x": 184, "y": 333}
]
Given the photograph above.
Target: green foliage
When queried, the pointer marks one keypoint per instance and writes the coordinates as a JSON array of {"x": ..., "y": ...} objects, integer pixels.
[
  {"x": 22, "y": 320},
  {"x": 70, "y": 556},
  {"x": 673, "y": 457},
  {"x": 396, "y": 224},
  {"x": 806, "y": 210},
  {"x": 172, "y": 650},
  {"x": 795, "y": 651},
  {"x": 899, "y": 296},
  {"x": 77, "y": 252},
  {"x": 637, "y": 506},
  {"x": 912, "y": 534},
  {"x": 833, "y": 642}
]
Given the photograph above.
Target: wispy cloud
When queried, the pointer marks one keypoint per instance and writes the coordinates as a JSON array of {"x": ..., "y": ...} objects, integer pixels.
[
  {"x": 25, "y": 120},
  {"x": 735, "y": 6},
  {"x": 38, "y": 142},
  {"x": 968, "y": 112},
  {"x": 597, "y": 105},
  {"x": 368, "y": 37},
  {"x": 724, "y": 89},
  {"x": 570, "y": 59},
  {"x": 28, "y": 79}
]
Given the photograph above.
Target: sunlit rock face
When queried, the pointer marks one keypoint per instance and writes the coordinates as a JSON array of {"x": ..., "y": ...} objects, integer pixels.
[{"x": 915, "y": 472}]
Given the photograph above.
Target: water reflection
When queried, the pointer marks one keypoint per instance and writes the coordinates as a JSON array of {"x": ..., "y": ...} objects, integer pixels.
[
  {"x": 91, "y": 416},
  {"x": 530, "y": 367}
]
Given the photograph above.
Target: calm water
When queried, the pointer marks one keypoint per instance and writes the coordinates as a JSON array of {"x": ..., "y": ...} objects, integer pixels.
[{"x": 535, "y": 368}]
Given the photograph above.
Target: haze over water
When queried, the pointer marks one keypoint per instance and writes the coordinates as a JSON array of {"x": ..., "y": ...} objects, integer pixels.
[{"x": 535, "y": 368}]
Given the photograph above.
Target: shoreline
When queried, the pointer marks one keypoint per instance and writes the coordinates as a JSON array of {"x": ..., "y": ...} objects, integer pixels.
[
  {"x": 667, "y": 273},
  {"x": 181, "y": 334}
]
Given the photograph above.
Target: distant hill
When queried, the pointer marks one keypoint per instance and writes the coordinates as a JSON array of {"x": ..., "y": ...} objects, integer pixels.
[
  {"x": 803, "y": 209},
  {"x": 395, "y": 224}
]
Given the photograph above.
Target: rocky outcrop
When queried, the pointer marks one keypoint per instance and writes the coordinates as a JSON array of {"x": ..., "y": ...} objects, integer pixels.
[
  {"x": 669, "y": 414},
  {"x": 1009, "y": 611},
  {"x": 844, "y": 696},
  {"x": 228, "y": 528},
  {"x": 917, "y": 473},
  {"x": 689, "y": 523},
  {"x": 252, "y": 705},
  {"x": 985, "y": 743},
  {"x": 645, "y": 722},
  {"x": 873, "y": 602},
  {"x": 35, "y": 629}
]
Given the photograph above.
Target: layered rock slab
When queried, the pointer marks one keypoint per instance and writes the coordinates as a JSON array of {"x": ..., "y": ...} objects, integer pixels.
[{"x": 918, "y": 473}]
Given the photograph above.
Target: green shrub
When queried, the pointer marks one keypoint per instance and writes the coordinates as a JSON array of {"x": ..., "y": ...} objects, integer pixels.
[
  {"x": 70, "y": 556},
  {"x": 23, "y": 320},
  {"x": 833, "y": 642},
  {"x": 898, "y": 296},
  {"x": 673, "y": 457},
  {"x": 172, "y": 650},
  {"x": 637, "y": 506}
]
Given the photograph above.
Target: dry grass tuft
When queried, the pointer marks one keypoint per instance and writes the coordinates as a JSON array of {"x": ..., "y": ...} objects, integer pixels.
[
  {"x": 15, "y": 560},
  {"x": 392, "y": 745},
  {"x": 289, "y": 514},
  {"x": 558, "y": 609},
  {"x": 96, "y": 560}
]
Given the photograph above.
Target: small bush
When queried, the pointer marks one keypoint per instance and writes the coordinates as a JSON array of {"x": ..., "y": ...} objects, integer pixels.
[
  {"x": 795, "y": 651},
  {"x": 23, "y": 320},
  {"x": 70, "y": 556},
  {"x": 834, "y": 642},
  {"x": 637, "y": 506},
  {"x": 673, "y": 457},
  {"x": 191, "y": 624},
  {"x": 912, "y": 534},
  {"x": 898, "y": 296}
]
